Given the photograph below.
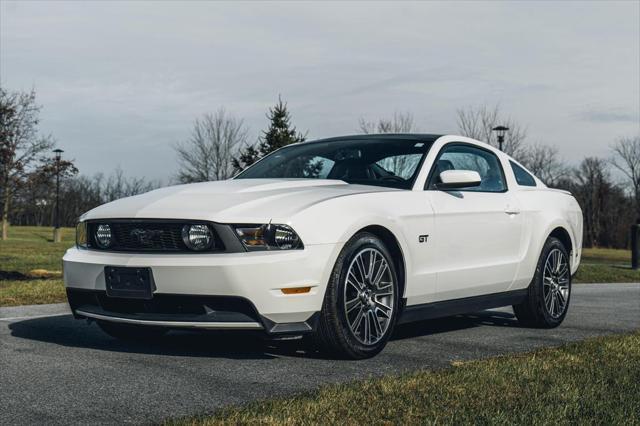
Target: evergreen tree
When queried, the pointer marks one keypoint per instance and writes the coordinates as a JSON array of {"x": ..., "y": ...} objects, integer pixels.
[{"x": 280, "y": 133}]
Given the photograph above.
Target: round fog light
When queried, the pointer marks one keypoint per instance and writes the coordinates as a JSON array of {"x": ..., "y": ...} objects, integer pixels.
[{"x": 197, "y": 237}]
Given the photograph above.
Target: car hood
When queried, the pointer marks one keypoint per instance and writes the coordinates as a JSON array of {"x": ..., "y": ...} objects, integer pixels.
[{"x": 230, "y": 201}]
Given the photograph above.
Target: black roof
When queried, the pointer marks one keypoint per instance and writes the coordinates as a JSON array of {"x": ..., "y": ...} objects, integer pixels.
[{"x": 424, "y": 137}]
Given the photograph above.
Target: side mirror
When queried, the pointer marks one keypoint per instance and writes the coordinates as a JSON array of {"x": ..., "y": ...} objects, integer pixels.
[{"x": 456, "y": 179}]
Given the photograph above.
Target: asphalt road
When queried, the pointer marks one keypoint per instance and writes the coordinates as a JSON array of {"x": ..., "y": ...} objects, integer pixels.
[{"x": 56, "y": 370}]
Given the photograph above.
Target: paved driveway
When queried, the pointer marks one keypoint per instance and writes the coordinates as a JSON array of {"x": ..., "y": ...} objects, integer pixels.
[{"x": 56, "y": 370}]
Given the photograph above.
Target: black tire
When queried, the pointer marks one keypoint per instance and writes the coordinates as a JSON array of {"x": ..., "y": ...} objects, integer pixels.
[
  {"x": 535, "y": 311},
  {"x": 131, "y": 333},
  {"x": 334, "y": 335}
]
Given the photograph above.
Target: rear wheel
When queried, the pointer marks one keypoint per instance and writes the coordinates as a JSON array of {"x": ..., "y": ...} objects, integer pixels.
[
  {"x": 129, "y": 332},
  {"x": 547, "y": 302},
  {"x": 361, "y": 302}
]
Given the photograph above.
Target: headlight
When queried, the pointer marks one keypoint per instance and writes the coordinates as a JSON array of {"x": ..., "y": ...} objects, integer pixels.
[
  {"x": 197, "y": 237},
  {"x": 81, "y": 235},
  {"x": 268, "y": 237},
  {"x": 104, "y": 237}
]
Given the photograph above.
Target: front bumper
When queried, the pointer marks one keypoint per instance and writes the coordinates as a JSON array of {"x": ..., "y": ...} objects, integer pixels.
[{"x": 210, "y": 291}]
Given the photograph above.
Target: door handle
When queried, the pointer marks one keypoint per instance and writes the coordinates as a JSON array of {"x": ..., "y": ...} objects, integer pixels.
[{"x": 511, "y": 210}]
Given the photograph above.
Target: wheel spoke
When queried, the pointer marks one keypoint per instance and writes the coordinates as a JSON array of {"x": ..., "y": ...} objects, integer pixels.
[
  {"x": 382, "y": 269},
  {"x": 361, "y": 269},
  {"x": 547, "y": 268},
  {"x": 547, "y": 298},
  {"x": 372, "y": 264},
  {"x": 382, "y": 305},
  {"x": 358, "y": 320},
  {"x": 384, "y": 291},
  {"x": 376, "y": 325},
  {"x": 560, "y": 299},
  {"x": 352, "y": 304},
  {"x": 367, "y": 328},
  {"x": 357, "y": 285},
  {"x": 384, "y": 313}
]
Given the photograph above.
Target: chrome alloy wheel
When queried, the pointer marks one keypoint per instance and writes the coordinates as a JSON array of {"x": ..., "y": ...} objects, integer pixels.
[
  {"x": 555, "y": 281},
  {"x": 369, "y": 296}
]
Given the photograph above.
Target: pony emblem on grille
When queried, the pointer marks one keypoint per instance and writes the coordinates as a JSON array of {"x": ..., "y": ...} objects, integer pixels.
[{"x": 146, "y": 236}]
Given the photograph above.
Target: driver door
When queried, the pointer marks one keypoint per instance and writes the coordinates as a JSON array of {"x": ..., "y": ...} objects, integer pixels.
[{"x": 478, "y": 229}]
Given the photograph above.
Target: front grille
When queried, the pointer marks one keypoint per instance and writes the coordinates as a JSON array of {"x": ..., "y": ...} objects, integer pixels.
[{"x": 151, "y": 236}]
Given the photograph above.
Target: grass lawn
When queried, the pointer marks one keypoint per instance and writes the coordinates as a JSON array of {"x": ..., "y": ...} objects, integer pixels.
[
  {"x": 30, "y": 266},
  {"x": 591, "y": 382},
  {"x": 604, "y": 265}
]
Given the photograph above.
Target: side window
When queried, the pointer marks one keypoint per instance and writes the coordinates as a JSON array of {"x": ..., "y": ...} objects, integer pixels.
[
  {"x": 523, "y": 178},
  {"x": 467, "y": 157}
]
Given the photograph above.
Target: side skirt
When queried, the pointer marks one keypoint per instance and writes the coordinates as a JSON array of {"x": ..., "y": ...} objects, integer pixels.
[{"x": 461, "y": 306}]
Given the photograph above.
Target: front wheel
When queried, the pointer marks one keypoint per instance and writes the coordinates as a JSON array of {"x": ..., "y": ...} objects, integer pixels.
[
  {"x": 361, "y": 302},
  {"x": 547, "y": 301}
]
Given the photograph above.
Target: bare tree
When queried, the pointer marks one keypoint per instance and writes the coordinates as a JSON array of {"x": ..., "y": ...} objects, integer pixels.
[
  {"x": 626, "y": 158},
  {"x": 592, "y": 183},
  {"x": 209, "y": 152},
  {"x": 399, "y": 123},
  {"x": 544, "y": 162},
  {"x": 478, "y": 123},
  {"x": 20, "y": 145},
  {"x": 119, "y": 186}
]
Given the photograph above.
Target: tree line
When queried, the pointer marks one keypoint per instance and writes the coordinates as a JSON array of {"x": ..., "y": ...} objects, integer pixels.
[{"x": 219, "y": 146}]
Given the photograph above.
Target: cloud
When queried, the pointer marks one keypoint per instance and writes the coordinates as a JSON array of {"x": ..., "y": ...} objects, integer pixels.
[{"x": 610, "y": 116}]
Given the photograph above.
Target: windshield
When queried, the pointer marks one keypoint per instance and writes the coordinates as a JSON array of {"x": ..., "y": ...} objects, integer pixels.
[{"x": 382, "y": 162}]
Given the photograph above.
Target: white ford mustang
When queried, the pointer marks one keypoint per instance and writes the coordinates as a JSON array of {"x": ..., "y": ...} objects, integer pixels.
[{"x": 339, "y": 238}]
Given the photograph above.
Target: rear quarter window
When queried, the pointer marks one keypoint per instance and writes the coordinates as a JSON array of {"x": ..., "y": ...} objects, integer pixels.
[{"x": 523, "y": 177}]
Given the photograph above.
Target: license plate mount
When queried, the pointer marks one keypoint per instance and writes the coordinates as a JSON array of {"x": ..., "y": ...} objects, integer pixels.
[{"x": 129, "y": 283}]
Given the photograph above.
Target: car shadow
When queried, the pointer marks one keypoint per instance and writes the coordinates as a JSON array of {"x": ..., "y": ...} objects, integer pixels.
[
  {"x": 13, "y": 276},
  {"x": 65, "y": 331},
  {"x": 458, "y": 322}
]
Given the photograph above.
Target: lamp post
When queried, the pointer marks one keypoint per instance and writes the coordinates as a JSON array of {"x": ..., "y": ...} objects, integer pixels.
[
  {"x": 501, "y": 130},
  {"x": 56, "y": 220}
]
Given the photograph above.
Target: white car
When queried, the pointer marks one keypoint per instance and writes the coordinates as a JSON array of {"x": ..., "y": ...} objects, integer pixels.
[{"x": 340, "y": 238}]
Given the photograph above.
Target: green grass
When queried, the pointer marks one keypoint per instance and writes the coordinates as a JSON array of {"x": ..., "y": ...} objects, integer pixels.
[
  {"x": 31, "y": 292},
  {"x": 593, "y": 382},
  {"x": 600, "y": 255},
  {"x": 31, "y": 266},
  {"x": 602, "y": 273},
  {"x": 605, "y": 265}
]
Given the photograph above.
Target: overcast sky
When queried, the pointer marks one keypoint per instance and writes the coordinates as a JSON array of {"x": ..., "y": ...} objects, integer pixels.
[{"x": 120, "y": 82}]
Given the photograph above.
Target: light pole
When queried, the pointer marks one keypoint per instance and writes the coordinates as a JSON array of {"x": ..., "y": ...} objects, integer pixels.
[
  {"x": 56, "y": 220},
  {"x": 501, "y": 130}
]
